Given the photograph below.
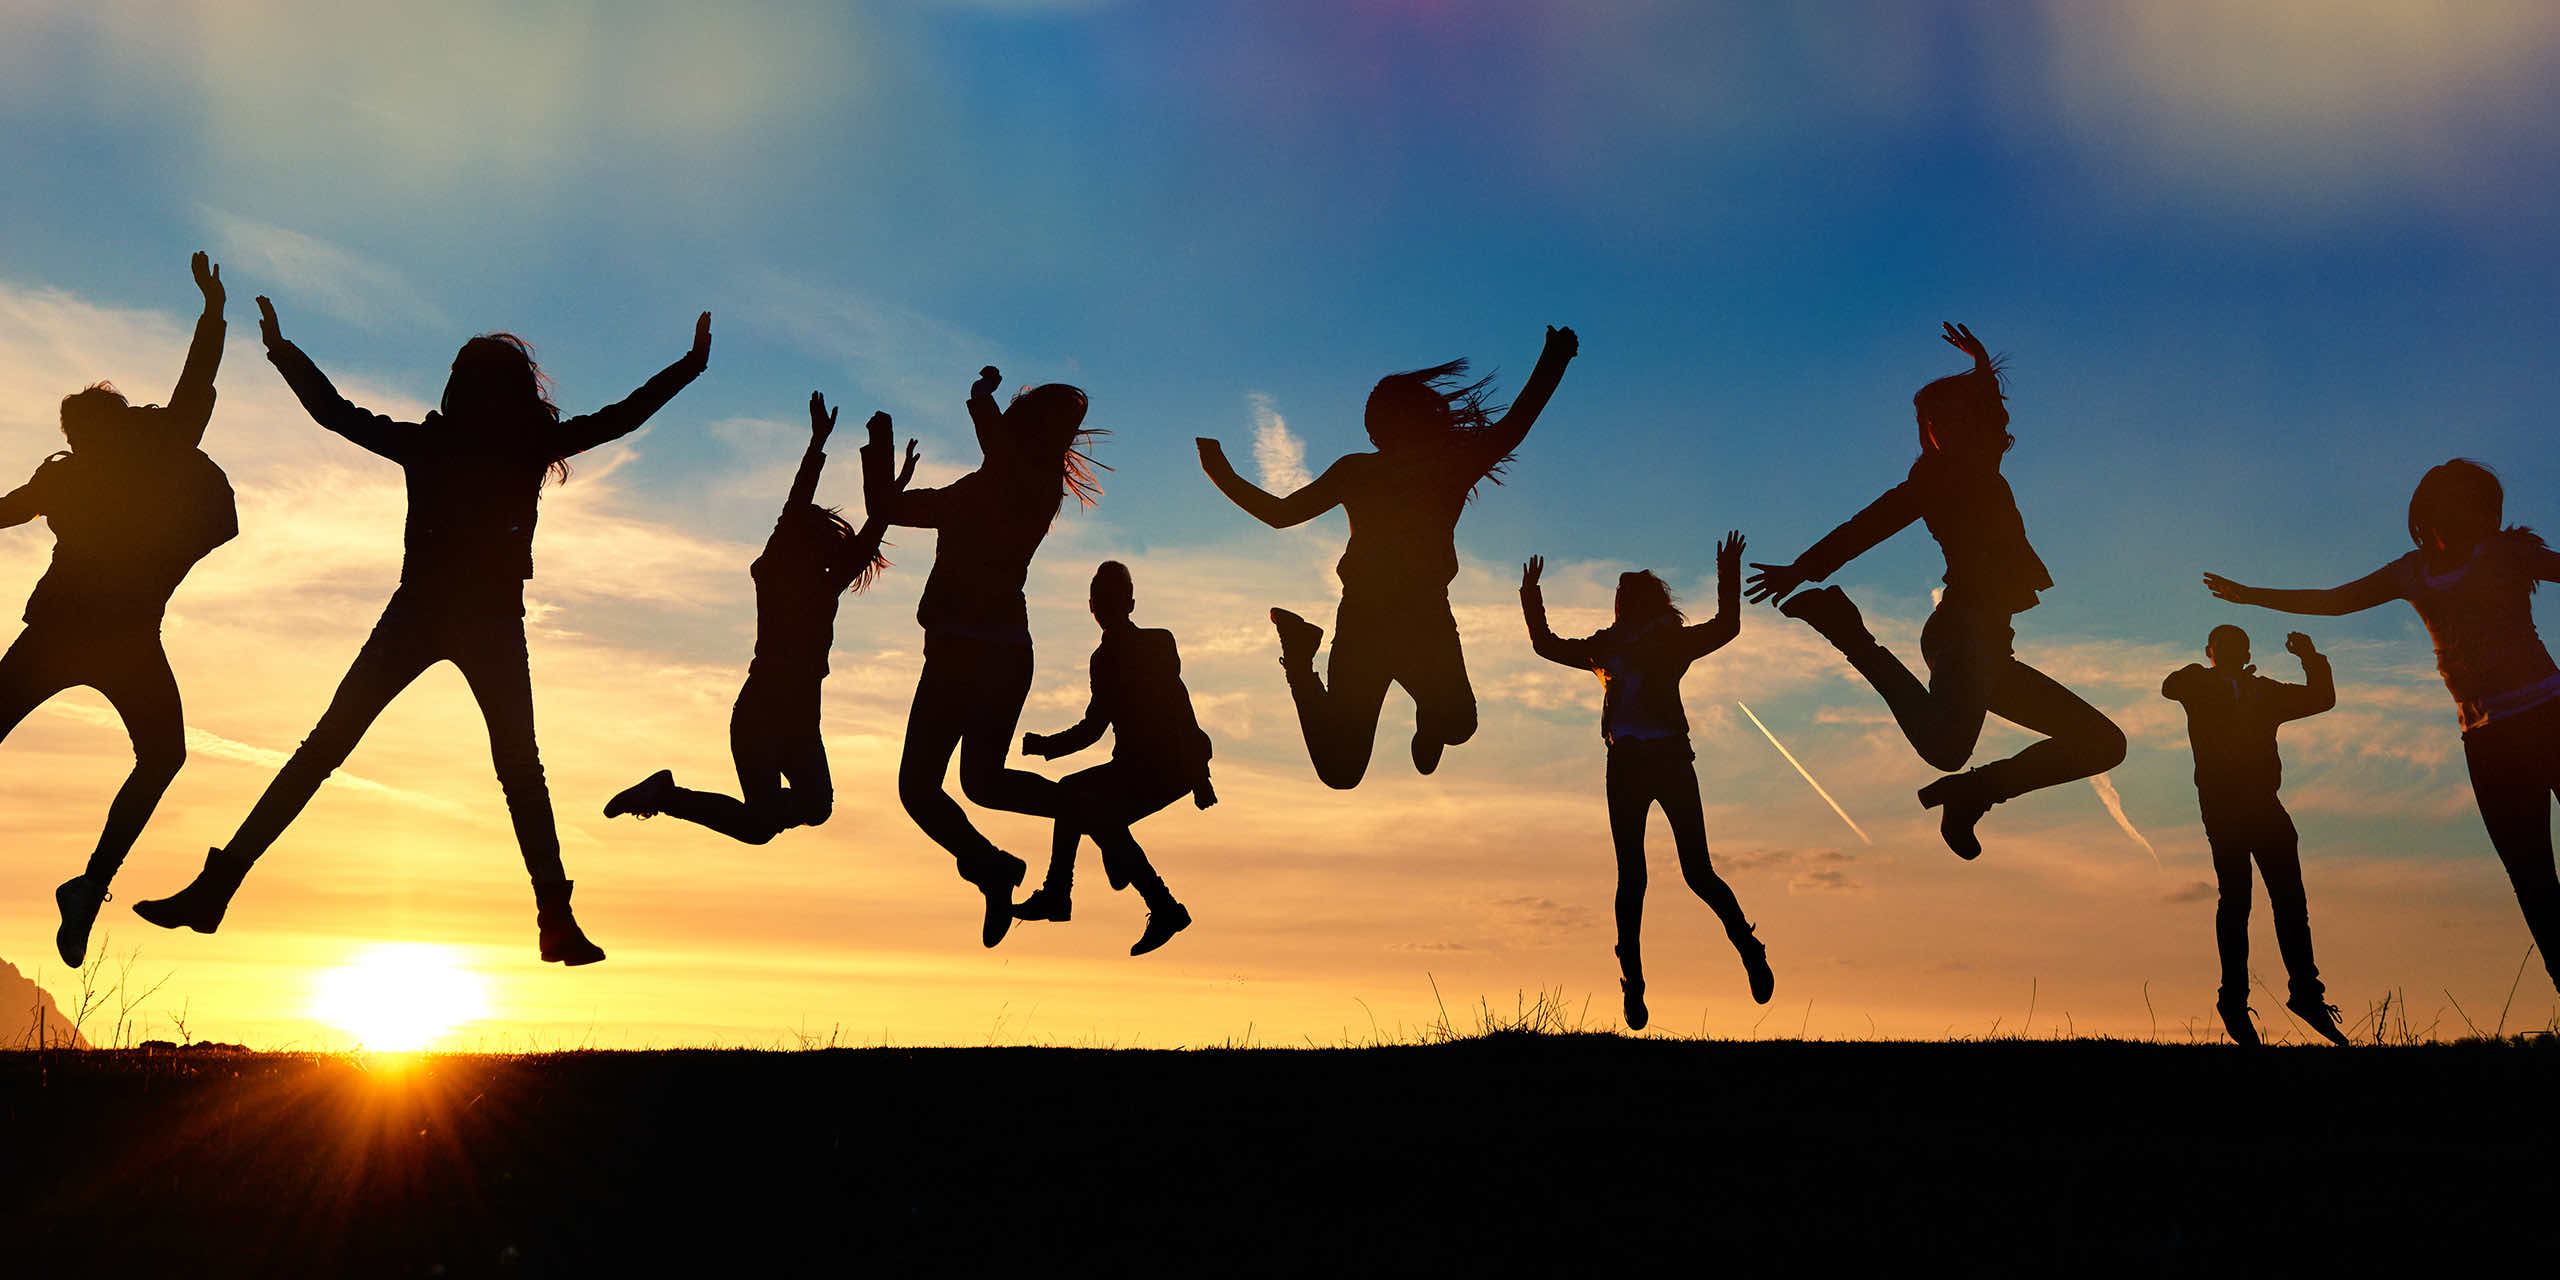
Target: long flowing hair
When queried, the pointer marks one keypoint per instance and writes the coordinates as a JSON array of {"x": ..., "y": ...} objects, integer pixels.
[
  {"x": 1652, "y": 599},
  {"x": 1436, "y": 409},
  {"x": 825, "y": 534},
  {"x": 1960, "y": 400},
  {"x": 503, "y": 375},
  {"x": 1050, "y": 420}
]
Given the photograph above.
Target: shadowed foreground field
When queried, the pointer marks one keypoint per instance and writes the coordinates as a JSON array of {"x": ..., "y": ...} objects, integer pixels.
[{"x": 1495, "y": 1153}]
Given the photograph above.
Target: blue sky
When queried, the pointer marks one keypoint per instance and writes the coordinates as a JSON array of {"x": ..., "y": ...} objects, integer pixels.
[{"x": 2255, "y": 271}]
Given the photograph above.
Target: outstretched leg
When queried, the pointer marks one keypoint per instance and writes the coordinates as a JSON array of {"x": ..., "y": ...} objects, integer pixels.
[
  {"x": 490, "y": 650},
  {"x": 1676, "y": 786},
  {"x": 1337, "y": 714},
  {"x": 773, "y": 736},
  {"x": 1962, "y": 647},
  {"x": 2515, "y": 767}
]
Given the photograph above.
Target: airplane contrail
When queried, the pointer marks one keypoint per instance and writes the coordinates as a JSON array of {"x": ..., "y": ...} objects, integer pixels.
[
  {"x": 2115, "y": 805},
  {"x": 1808, "y": 774}
]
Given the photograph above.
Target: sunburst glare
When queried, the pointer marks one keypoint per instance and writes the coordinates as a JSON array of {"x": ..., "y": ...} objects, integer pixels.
[{"x": 399, "y": 996}]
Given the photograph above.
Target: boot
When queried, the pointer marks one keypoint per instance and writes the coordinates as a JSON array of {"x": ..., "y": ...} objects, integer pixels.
[
  {"x": 563, "y": 942},
  {"x": 643, "y": 798},
  {"x": 995, "y": 872},
  {"x": 2235, "y": 1020},
  {"x": 200, "y": 905},
  {"x": 1045, "y": 903},
  {"x": 1755, "y": 962},
  {"x": 78, "y": 900},
  {"x": 1631, "y": 990},
  {"x": 1964, "y": 801},
  {"x": 1832, "y": 615},
  {"x": 1299, "y": 640},
  {"x": 1162, "y": 924}
]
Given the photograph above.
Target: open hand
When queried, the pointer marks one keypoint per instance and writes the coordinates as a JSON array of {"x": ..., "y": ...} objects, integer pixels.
[
  {"x": 1772, "y": 582},
  {"x": 2225, "y": 589},
  {"x": 908, "y": 472},
  {"x": 2299, "y": 645},
  {"x": 702, "y": 338},
  {"x": 1529, "y": 573},
  {"x": 208, "y": 279},
  {"x": 267, "y": 330},
  {"x": 1562, "y": 344},
  {"x": 1729, "y": 552},
  {"x": 822, "y": 420},
  {"x": 1962, "y": 339}
]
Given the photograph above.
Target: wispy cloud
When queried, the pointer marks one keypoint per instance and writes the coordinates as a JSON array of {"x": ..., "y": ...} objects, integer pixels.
[
  {"x": 1277, "y": 452},
  {"x": 332, "y": 278}
]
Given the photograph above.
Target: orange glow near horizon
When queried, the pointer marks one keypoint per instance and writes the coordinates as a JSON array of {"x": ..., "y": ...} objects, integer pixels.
[{"x": 399, "y": 996}]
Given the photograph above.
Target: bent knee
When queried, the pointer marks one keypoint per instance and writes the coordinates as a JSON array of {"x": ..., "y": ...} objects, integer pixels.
[
  {"x": 1945, "y": 756},
  {"x": 162, "y": 758},
  {"x": 2106, "y": 744}
]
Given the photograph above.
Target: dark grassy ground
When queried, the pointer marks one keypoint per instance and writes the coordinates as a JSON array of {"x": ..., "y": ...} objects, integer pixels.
[{"x": 1489, "y": 1154}]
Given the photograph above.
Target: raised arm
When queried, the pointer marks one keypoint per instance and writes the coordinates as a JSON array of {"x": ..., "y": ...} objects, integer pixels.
[
  {"x": 1307, "y": 502},
  {"x": 191, "y": 404},
  {"x": 621, "y": 418},
  {"x": 374, "y": 431},
  {"x": 1544, "y": 642},
  {"x": 2319, "y": 688},
  {"x": 1507, "y": 434},
  {"x": 985, "y": 417},
  {"x": 886, "y": 497},
  {"x": 2186, "y": 683},
  {"x": 1882, "y": 518},
  {"x": 1706, "y": 637},
  {"x": 2377, "y": 587},
  {"x": 804, "y": 482}
]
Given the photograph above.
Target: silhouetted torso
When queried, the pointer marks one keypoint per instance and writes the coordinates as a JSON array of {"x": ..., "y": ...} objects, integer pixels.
[
  {"x": 2232, "y": 719},
  {"x": 1970, "y": 511},
  {"x": 991, "y": 521},
  {"x": 1138, "y": 692},
  {"x": 1404, "y": 510},
  {"x": 126, "y": 531},
  {"x": 2480, "y": 615},
  {"x": 474, "y": 487},
  {"x": 1639, "y": 666},
  {"x": 796, "y": 598}
]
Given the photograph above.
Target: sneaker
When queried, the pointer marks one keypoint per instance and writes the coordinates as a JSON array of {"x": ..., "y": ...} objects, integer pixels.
[
  {"x": 1161, "y": 926},
  {"x": 1633, "y": 989},
  {"x": 2235, "y": 1020},
  {"x": 1044, "y": 903},
  {"x": 78, "y": 900},
  {"x": 995, "y": 872},
  {"x": 1828, "y": 610},
  {"x": 1299, "y": 640},
  {"x": 2320, "y": 1016},
  {"x": 1755, "y": 962},
  {"x": 643, "y": 798},
  {"x": 1964, "y": 805}
]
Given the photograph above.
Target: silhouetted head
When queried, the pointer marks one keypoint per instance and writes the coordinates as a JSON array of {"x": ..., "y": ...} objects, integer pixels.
[
  {"x": 821, "y": 539},
  {"x": 1643, "y": 597},
  {"x": 2227, "y": 646},
  {"x": 1424, "y": 409},
  {"x": 93, "y": 418},
  {"x": 2457, "y": 504},
  {"x": 1964, "y": 415},
  {"x": 1114, "y": 596},
  {"x": 1047, "y": 422},
  {"x": 496, "y": 387}
]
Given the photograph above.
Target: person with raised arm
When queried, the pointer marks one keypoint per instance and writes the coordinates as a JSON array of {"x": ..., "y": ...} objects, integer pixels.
[
  {"x": 474, "y": 470},
  {"x": 1437, "y": 439},
  {"x": 1640, "y": 658},
  {"x": 1158, "y": 756},
  {"x": 1956, "y": 489},
  {"x": 977, "y": 629},
  {"x": 2472, "y": 579},
  {"x": 134, "y": 503},
  {"x": 812, "y": 557},
  {"x": 2232, "y": 717}
]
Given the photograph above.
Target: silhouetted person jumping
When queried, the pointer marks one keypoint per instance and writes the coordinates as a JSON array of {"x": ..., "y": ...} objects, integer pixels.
[
  {"x": 2232, "y": 715},
  {"x": 1955, "y": 487},
  {"x": 1437, "y": 440},
  {"x": 1640, "y": 658},
  {"x": 1158, "y": 756},
  {"x": 475, "y": 471},
  {"x": 133, "y": 504},
  {"x": 812, "y": 556},
  {"x": 2472, "y": 582},
  {"x": 977, "y": 632}
]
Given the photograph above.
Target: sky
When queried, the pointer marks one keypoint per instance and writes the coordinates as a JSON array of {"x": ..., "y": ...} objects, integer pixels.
[{"x": 2255, "y": 268}]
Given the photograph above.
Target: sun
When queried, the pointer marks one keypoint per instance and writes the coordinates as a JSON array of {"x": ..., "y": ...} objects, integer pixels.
[{"x": 397, "y": 996}]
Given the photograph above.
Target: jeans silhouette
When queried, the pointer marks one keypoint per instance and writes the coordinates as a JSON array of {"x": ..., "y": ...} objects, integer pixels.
[
  {"x": 1104, "y": 802},
  {"x": 484, "y": 636},
  {"x": 2515, "y": 770},
  {"x": 782, "y": 766},
  {"x": 969, "y": 698},
  {"x": 1380, "y": 641},
  {"x": 128, "y": 666},
  {"x": 1644, "y": 772},
  {"x": 2256, "y": 828},
  {"x": 1973, "y": 672}
]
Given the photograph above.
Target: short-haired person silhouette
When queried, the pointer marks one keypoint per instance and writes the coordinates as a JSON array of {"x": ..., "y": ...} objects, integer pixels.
[
  {"x": 977, "y": 630},
  {"x": 1437, "y": 440},
  {"x": 474, "y": 471},
  {"x": 2472, "y": 580},
  {"x": 1955, "y": 487},
  {"x": 1640, "y": 658},
  {"x": 810, "y": 559},
  {"x": 2232, "y": 715},
  {"x": 1158, "y": 756},
  {"x": 133, "y": 504}
]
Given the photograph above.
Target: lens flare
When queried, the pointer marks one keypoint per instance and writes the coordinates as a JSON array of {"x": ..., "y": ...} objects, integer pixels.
[{"x": 399, "y": 996}]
